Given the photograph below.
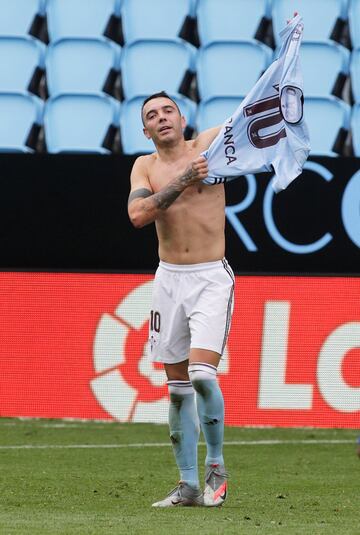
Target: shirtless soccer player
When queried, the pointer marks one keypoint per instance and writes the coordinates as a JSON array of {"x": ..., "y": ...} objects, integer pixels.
[{"x": 193, "y": 292}]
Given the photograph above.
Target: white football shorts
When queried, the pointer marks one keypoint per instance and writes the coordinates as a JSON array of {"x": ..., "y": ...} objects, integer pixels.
[{"x": 192, "y": 307}]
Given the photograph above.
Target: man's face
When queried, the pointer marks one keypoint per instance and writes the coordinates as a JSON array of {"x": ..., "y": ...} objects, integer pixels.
[{"x": 162, "y": 121}]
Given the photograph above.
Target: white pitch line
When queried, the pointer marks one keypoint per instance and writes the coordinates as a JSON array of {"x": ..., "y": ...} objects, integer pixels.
[
  {"x": 57, "y": 426},
  {"x": 166, "y": 444}
]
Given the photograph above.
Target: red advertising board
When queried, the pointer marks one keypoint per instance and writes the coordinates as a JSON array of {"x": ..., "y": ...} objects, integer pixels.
[{"x": 75, "y": 346}]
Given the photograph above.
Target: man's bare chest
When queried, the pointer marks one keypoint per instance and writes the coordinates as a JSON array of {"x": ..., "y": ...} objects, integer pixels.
[{"x": 162, "y": 175}]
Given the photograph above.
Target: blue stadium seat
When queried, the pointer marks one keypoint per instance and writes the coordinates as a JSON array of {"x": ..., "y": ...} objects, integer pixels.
[
  {"x": 231, "y": 20},
  {"x": 20, "y": 114},
  {"x": 80, "y": 123},
  {"x": 215, "y": 111},
  {"x": 80, "y": 18},
  {"x": 154, "y": 19},
  {"x": 150, "y": 66},
  {"x": 17, "y": 16},
  {"x": 131, "y": 128},
  {"x": 332, "y": 60},
  {"x": 354, "y": 22},
  {"x": 43, "y": 4},
  {"x": 355, "y": 129},
  {"x": 328, "y": 120},
  {"x": 82, "y": 66},
  {"x": 230, "y": 68},
  {"x": 193, "y": 8},
  {"x": 355, "y": 74},
  {"x": 24, "y": 57},
  {"x": 323, "y": 19}
]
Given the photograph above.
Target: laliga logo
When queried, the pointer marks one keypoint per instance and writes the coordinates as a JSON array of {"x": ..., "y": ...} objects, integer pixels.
[{"x": 127, "y": 384}]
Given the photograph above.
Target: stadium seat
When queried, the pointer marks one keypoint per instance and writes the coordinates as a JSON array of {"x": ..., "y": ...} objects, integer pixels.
[
  {"x": 131, "y": 128},
  {"x": 323, "y": 19},
  {"x": 232, "y": 20},
  {"x": 155, "y": 19},
  {"x": 215, "y": 111},
  {"x": 17, "y": 16},
  {"x": 80, "y": 18},
  {"x": 354, "y": 22},
  {"x": 21, "y": 118},
  {"x": 82, "y": 66},
  {"x": 355, "y": 129},
  {"x": 193, "y": 7},
  {"x": 80, "y": 123},
  {"x": 334, "y": 61},
  {"x": 24, "y": 59},
  {"x": 328, "y": 120},
  {"x": 150, "y": 66},
  {"x": 230, "y": 68},
  {"x": 355, "y": 74},
  {"x": 43, "y": 4}
]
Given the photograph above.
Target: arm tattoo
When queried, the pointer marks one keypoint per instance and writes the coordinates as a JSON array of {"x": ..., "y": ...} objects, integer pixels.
[
  {"x": 141, "y": 192},
  {"x": 168, "y": 195},
  {"x": 164, "y": 198}
]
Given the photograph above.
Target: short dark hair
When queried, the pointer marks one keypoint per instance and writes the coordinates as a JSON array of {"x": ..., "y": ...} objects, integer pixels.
[{"x": 160, "y": 94}]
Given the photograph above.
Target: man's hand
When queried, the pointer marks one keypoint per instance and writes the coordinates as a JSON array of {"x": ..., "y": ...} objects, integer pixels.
[{"x": 197, "y": 171}]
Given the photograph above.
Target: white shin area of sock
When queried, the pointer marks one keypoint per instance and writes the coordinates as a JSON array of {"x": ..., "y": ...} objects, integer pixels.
[
  {"x": 184, "y": 429},
  {"x": 210, "y": 406}
]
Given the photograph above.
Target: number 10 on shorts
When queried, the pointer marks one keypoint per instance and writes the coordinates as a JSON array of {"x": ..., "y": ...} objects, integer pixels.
[{"x": 155, "y": 321}]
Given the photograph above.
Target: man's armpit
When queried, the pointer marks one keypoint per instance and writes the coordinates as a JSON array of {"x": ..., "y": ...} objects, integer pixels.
[{"x": 141, "y": 192}]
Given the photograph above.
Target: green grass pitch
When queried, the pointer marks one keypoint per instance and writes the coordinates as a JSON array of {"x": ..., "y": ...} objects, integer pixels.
[{"x": 89, "y": 478}]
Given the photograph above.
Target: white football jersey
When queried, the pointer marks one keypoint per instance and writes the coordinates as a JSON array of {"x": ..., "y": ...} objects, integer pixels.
[{"x": 267, "y": 132}]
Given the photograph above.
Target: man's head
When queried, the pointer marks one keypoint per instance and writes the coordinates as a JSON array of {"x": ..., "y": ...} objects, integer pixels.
[{"x": 162, "y": 119}]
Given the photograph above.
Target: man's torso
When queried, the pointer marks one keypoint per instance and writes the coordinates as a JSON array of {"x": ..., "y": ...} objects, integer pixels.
[{"x": 191, "y": 230}]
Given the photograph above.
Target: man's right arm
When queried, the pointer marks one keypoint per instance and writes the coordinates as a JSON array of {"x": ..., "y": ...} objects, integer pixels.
[{"x": 144, "y": 206}]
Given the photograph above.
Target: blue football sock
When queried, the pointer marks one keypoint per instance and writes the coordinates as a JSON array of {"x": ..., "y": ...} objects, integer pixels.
[
  {"x": 184, "y": 429},
  {"x": 210, "y": 406}
]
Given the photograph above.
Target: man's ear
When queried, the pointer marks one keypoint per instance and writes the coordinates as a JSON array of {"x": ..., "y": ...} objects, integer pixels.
[
  {"x": 146, "y": 133},
  {"x": 183, "y": 122}
]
